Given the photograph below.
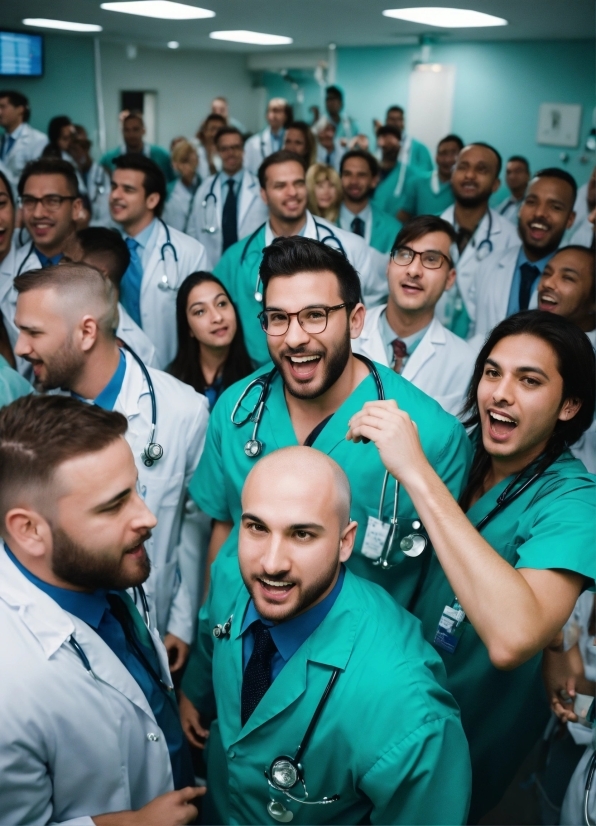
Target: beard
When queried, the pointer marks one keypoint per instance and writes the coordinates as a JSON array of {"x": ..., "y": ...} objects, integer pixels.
[
  {"x": 62, "y": 369},
  {"x": 333, "y": 361},
  {"x": 91, "y": 570}
]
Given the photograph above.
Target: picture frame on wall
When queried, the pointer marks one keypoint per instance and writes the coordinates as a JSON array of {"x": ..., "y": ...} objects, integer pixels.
[{"x": 559, "y": 124}]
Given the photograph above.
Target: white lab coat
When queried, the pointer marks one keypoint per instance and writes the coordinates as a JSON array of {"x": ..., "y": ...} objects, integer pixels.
[
  {"x": 257, "y": 148},
  {"x": 585, "y": 447},
  {"x": 98, "y": 192},
  {"x": 28, "y": 146},
  {"x": 502, "y": 235},
  {"x": 158, "y": 306},
  {"x": 178, "y": 207},
  {"x": 581, "y": 233},
  {"x": 130, "y": 333},
  {"x": 335, "y": 160},
  {"x": 72, "y": 744},
  {"x": 252, "y": 212},
  {"x": 509, "y": 208},
  {"x": 18, "y": 260},
  {"x": 182, "y": 417},
  {"x": 441, "y": 365},
  {"x": 204, "y": 169}
]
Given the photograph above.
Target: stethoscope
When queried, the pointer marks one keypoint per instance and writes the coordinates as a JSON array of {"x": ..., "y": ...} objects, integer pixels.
[
  {"x": 485, "y": 247},
  {"x": 330, "y": 237},
  {"x": 164, "y": 283},
  {"x": 153, "y": 451},
  {"x": 210, "y": 226},
  {"x": 26, "y": 258}
]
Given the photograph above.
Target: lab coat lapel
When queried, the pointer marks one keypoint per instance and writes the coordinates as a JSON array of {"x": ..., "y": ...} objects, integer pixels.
[
  {"x": 150, "y": 277},
  {"x": 248, "y": 192},
  {"x": 426, "y": 350},
  {"x": 370, "y": 343},
  {"x": 502, "y": 280}
]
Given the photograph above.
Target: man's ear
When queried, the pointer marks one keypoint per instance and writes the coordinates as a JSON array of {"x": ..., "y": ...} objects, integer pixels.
[
  {"x": 347, "y": 540},
  {"x": 29, "y": 531}
]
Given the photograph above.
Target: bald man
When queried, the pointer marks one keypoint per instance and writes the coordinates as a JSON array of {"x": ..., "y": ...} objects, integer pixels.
[
  {"x": 67, "y": 316},
  {"x": 388, "y": 746}
]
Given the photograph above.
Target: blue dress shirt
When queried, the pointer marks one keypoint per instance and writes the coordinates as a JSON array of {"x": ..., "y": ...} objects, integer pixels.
[
  {"x": 237, "y": 178},
  {"x": 140, "y": 248},
  {"x": 288, "y": 636},
  {"x": 107, "y": 398},
  {"x": 45, "y": 261},
  {"x": 513, "y": 305}
]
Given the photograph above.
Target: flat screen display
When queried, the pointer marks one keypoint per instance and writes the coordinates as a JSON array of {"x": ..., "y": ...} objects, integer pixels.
[{"x": 21, "y": 55}]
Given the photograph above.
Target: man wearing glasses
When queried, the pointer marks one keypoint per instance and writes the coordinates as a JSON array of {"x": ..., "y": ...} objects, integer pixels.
[
  {"x": 312, "y": 311},
  {"x": 405, "y": 334}
]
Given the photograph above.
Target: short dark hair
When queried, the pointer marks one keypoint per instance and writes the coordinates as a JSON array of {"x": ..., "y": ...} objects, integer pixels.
[
  {"x": 420, "y": 226},
  {"x": 107, "y": 242},
  {"x": 496, "y": 153},
  {"x": 50, "y": 166},
  {"x": 389, "y": 130},
  {"x": 134, "y": 115},
  {"x": 395, "y": 109},
  {"x": 520, "y": 159},
  {"x": 372, "y": 162},
  {"x": 39, "y": 433},
  {"x": 561, "y": 174},
  {"x": 17, "y": 99},
  {"x": 289, "y": 256},
  {"x": 56, "y": 125},
  {"x": 8, "y": 187},
  {"x": 153, "y": 181},
  {"x": 283, "y": 156},
  {"x": 334, "y": 91},
  {"x": 452, "y": 139},
  {"x": 228, "y": 130}
]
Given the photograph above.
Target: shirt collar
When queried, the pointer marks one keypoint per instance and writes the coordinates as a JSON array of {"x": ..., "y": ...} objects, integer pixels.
[
  {"x": 107, "y": 398},
  {"x": 388, "y": 334},
  {"x": 15, "y": 135},
  {"x": 45, "y": 261},
  {"x": 237, "y": 178},
  {"x": 144, "y": 236},
  {"x": 347, "y": 216},
  {"x": 288, "y": 636},
  {"x": 540, "y": 264},
  {"x": 87, "y": 606}
]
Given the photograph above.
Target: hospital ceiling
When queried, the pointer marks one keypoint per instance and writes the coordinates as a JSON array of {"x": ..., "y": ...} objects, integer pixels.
[{"x": 314, "y": 24}]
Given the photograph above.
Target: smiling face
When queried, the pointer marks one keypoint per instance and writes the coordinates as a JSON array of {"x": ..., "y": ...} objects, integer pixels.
[
  {"x": 357, "y": 179},
  {"x": 285, "y": 191},
  {"x": 547, "y": 211},
  {"x": 520, "y": 398},
  {"x": 567, "y": 287},
  {"x": 133, "y": 132},
  {"x": 49, "y": 228},
  {"x": 325, "y": 193},
  {"x": 295, "y": 531},
  {"x": 389, "y": 146},
  {"x": 129, "y": 204},
  {"x": 474, "y": 177},
  {"x": 447, "y": 153},
  {"x": 276, "y": 114},
  {"x": 414, "y": 288},
  {"x": 294, "y": 141},
  {"x": 231, "y": 150},
  {"x": 210, "y": 315},
  {"x": 7, "y": 219},
  {"x": 517, "y": 176}
]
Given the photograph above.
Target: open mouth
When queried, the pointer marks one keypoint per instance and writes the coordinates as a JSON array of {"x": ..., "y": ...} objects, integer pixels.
[
  {"x": 500, "y": 425},
  {"x": 275, "y": 589},
  {"x": 547, "y": 302},
  {"x": 304, "y": 366},
  {"x": 538, "y": 230},
  {"x": 411, "y": 289}
]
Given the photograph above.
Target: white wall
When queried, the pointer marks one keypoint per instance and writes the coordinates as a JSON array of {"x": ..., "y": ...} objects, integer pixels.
[{"x": 185, "y": 82}]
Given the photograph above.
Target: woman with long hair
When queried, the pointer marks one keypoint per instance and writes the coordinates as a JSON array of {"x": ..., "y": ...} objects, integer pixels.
[
  {"x": 211, "y": 351},
  {"x": 299, "y": 138},
  {"x": 324, "y": 191},
  {"x": 204, "y": 142},
  {"x": 512, "y": 557}
]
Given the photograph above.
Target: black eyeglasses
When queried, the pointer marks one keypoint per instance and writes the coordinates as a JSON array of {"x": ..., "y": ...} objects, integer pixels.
[
  {"x": 49, "y": 202},
  {"x": 431, "y": 259},
  {"x": 313, "y": 320}
]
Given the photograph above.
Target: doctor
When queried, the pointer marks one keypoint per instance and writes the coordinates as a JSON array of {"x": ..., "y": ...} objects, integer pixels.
[
  {"x": 517, "y": 177},
  {"x": 312, "y": 296},
  {"x": 430, "y": 193},
  {"x": 181, "y": 192},
  {"x": 413, "y": 152},
  {"x": 301, "y": 622},
  {"x": 395, "y": 173},
  {"x": 345, "y": 126},
  {"x": 282, "y": 178},
  {"x": 160, "y": 256},
  {"x": 507, "y": 283},
  {"x": 94, "y": 176},
  {"x": 20, "y": 142},
  {"x": 482, "y": 234},
  {"x": 89, "y": 722},
  {"x": 227, "y": 206},
  {"x": 405, "y": 333},
  {"x": 65, "y": 316},
  {"x": 133, "y": 133},
  {"x": 271, "y": 139},
  {"x": 329, "y": 150}
]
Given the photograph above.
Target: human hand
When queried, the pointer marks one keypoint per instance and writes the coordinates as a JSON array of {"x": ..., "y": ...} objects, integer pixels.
[
  {"x": 191, "y": 722},
  {"x": 560, "y": 683},
  {"x": 177, "y": 650},
  {"x": 170, "y": 809}
]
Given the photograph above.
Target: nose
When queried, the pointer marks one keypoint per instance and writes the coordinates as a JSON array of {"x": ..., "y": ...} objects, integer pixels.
[
  {"x": 415, "y": 268},
  {"x": 274, "y": 560},
  {"x": 144, "y": 519},
  {"x": 296, "y": 336},
  {"x": 503, "y": 390},
  {"x": 216, "y": 314},
  {"x": 22, "y": 346},
  {"x": 39, "y": 211}
]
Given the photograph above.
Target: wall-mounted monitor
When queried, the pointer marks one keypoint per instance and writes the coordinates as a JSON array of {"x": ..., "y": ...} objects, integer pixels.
[{"x": 21, "y": 55}]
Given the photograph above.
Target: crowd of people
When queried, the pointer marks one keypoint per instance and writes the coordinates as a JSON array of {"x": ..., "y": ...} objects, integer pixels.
[{"x": 297, "y": 456}]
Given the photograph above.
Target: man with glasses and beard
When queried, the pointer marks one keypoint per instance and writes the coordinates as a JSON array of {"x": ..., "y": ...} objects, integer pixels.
[{"x": 90, "y": 731}]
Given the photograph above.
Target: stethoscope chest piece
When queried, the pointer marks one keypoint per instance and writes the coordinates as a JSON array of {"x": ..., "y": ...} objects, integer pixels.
[
  {"x": 258, "y": 296},
  {"x": 415, "y": 543},
  {"x": 164, "y": 284},
  {"x": 279, "y": 812},
  {"x": 284, "y": 773},
  {"x": 253, "y": 448}
]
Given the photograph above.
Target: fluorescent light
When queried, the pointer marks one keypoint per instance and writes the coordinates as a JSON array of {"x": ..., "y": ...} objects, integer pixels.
[
  {"x": 446, "y": 18},
  {"x": 164, "y": 9},
  {"x": 254, "y": 38},
  {"x": 173, "y": 44},
  {"x": 65, "y": 25}
]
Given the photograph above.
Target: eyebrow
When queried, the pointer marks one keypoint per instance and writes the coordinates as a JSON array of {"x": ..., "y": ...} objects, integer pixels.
[
  {"x": 298, "y": 526},
  {"x": 522, "y": 369},
  {"x": 113, "y": 501},
  {"x": 194, "y": 303}
]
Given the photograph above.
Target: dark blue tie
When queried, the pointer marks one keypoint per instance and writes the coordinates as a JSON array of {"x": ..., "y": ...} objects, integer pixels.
[
  {"x": 358, "y": 226},
  {"x": 229, "y": 222},
  {"x": 529, "y": 273},
  {"x": 257, "y": 674}
]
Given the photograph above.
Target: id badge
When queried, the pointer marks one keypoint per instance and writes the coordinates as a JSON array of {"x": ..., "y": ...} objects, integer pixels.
[
  {"x": 374, "y": 538},
  {"x": 450, "y": 627}
]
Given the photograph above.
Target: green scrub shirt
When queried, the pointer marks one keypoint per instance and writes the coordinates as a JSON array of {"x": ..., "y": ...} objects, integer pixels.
[
  {"x": 419, "y": 198},
  {"x": 12, "y": 384},
  {"x": 384, "y": 230},
  {"x": 385, "y": 197},
  {"x": 389, "y": 741},
  {"x": 217, "y": 484},
  {"x": 551, "y": 525}
]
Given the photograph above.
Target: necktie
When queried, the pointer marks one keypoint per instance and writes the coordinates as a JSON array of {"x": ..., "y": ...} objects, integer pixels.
[
  {"x": 328, "y": 159},
  {"x": 358, "y": 226},
  {"x": 529, "y": 273},
  {"x": 257, "y": 674},
  {"x": 7, "y": 144},
  {"x": 130, "y": 286},
  {"x": 229, "y": 223},
  {"x": 400, "y": 352}
]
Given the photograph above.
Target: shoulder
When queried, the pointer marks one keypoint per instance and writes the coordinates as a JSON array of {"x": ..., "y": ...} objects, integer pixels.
[
  {"x": 565, "y": 476},
  {"x": 171, "y": 186},
  {"x": 159, "y": 152},
  {"x": 187, "y": 401},
  {"x": 188, "y": 244},
  {"x": 384, "y": 219},
  {"x": 109, "y": 156},
  {"x": 504, "y": 225},
  {"x": 459, "y": 347}
]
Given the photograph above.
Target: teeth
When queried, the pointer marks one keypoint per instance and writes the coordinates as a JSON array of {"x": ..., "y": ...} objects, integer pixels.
[
  {"x": 303, "y": 359},
  {"x": 547, "y": 299},
  {"x": 275, "y": 584},
  {"x": 538, "y": 226},
  {"x": 501, "y": 418}
]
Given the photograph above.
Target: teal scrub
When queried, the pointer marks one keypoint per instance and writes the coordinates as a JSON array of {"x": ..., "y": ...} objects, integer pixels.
[
  {"x": 217, "y": 483},
  {"x": 419, "y": 198},
  {"x": 12, "y": 384},
  {"x": 385, "y": 197},
  {"x": 156, "y": 153},
  {"x": 384, "y": 230},
  {"x": 389, "y": 741},
  {"x": 420, "y": 156},
  {"x": 551, "y": 525}
]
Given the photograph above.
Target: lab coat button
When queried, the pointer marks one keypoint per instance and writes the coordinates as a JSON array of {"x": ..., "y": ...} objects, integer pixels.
[{"x": 152, "y": 737}]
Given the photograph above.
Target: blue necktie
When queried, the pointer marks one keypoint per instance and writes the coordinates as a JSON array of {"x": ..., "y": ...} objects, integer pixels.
[
  {"x": 529, "y": 273},
  {"x": 257, "y": 674},
  {"x": 130, "y": 286},
  {"x": 7, "y": 144},
  {"x": 358, "y": 226},
  {"x": 229, "y": 222}
]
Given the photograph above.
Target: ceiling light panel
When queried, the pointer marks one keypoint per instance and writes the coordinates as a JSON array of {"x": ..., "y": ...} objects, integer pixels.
[
  {"x": 162, "y": 9},
  {"x": 254, "y": 38},
  {"x": 446, "y": 18},
  {"x": 64, "y": 25}
]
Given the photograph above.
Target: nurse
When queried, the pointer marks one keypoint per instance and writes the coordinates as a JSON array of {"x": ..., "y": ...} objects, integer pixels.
[
  {"x": 514, "y": 554},
  {"x": 312, "y": 312},
  {"x": 298, "y": 624}
]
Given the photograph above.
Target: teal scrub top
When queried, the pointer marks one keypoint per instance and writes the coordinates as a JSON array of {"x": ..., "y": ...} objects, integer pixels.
[
  {"x": 12, "y": 384},
  {"x": 551, "y": 525},
  {"x": 420, "y": 156},
  {"x": 156, "y": 153},
  {"x": 389, "y": 741},
  {"x": 419, "y": 198},
  {"x": 385, "y": 198},
  {"x": 384, "y": 230},
  {"x": 217, "y": 483}
]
